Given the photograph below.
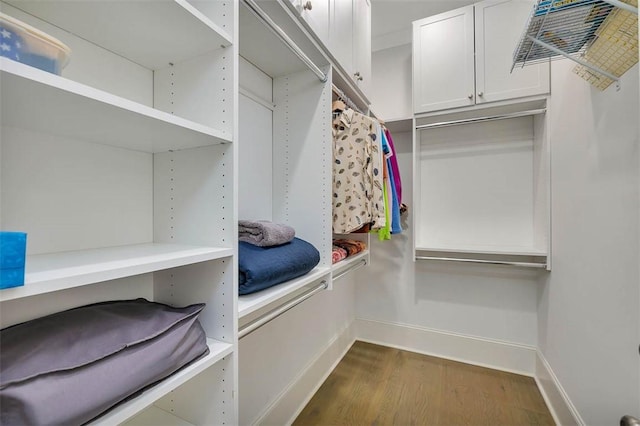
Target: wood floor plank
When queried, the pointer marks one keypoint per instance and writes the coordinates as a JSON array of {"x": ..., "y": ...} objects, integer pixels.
[{"x": 378, "y": 385}]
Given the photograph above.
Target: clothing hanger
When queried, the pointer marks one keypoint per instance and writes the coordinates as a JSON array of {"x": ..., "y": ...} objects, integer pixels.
[{"x": 338, "y": 105}]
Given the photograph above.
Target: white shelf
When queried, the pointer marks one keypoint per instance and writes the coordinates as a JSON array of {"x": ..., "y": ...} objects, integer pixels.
[
  {"x": 351, "y": 261},
  {"x": 252, "y": 302},
  {"x": 38, "y": 100},
  {"x": 399, "y": 125},
  {"x": 46, "y": 273},
  {"x": 154, "y": 416},
  {"x": 488, "y": 250},
  {"x": 129, "y": 409},
  {"x": 263, "y": 49},
  {"x": 150, "y": 33},
  {"x": 509, "y": 256}
]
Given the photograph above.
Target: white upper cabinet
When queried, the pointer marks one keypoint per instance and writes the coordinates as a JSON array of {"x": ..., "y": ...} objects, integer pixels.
[
  {"x": 350, "y": 38},
  {"x": 498, "y": 26},
  {"x": 443, "y": 64},
  {"x": 464, "y": 57},
  {"x": 341, "y": 32},
  {"x": 362, "y": 43},
  {"x": 316, "y": 13}
]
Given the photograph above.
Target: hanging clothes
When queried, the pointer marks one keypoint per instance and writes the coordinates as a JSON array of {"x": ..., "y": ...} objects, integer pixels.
[
  {"x": 357, "y": 173},
  {"x": 367, "y": 190},
  {"x": 351, "y": 171},
  {"x": 394, "y": 165},
  {"x": 378, "y": 206},
  {"x": 394, "y": 203}
]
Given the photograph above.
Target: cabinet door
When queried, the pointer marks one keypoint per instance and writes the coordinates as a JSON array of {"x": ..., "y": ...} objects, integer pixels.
[
  {"x": 341, "y": 33},
  {"x": 443, "y": 63},
  {"x": 499, "y": 25},
  {"x": 316, "y": 14},
  {"x": 362, "y": 43}
]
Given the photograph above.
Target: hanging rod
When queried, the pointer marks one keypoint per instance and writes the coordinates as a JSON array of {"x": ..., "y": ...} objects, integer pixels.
[
  {"x": 269, "y": 316},
  {"x": 345, "y": 98},
  {"x": 351, "y": 268},
  {"x": 481, "y": 119},
  {"x": 492, "y": 262},
  {"x": 275, "y": 29}
]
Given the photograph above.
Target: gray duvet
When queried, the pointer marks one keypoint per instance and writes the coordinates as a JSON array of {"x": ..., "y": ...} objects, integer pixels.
[{"x": 69, "y": 367}]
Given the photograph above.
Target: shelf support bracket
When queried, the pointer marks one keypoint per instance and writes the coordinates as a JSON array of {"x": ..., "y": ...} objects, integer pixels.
[
  {"x": 623, "y": 5},
  {"x": 577, "y": 60}
]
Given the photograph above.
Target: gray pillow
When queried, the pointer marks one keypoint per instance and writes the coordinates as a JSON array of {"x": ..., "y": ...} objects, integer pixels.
[{"x": 69, "y": 367}]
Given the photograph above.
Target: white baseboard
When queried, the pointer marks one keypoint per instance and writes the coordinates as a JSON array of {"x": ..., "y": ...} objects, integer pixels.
[
  {"x": 300, "y": 391},
  {"x": 514, "y": 358},
  {"x": 562, "y": 409}
]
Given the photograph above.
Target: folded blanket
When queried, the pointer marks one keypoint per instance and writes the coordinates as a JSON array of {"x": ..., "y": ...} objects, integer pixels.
[
  {"x": 338, "y": 254},
  {"x": 264, "y": 233},
  {"x": 263, "y": 267},
  {"x": 351, "y": 246}
]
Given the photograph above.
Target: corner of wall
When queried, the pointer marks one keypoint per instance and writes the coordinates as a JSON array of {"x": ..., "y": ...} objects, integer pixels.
[
  {"x": 292, "y": 400},
  {"x": 561, "y": 408}
]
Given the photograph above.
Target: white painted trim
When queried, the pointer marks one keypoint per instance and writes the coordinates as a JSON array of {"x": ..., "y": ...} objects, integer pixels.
[
  {"x": 299, "y": 392},
  {"x": 504, "y": 356},
  {"x": 561, "y": 408}
]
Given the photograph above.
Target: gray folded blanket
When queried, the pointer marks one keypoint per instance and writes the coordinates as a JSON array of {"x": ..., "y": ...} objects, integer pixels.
[{"x": 264, "y": 233}]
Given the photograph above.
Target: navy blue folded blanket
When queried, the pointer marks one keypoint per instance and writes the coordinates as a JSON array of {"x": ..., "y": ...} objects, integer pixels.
[{"x": 264, "y": 267}]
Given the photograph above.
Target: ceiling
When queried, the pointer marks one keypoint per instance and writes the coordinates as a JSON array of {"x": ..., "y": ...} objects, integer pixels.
[{"x": 391, "y": 19}]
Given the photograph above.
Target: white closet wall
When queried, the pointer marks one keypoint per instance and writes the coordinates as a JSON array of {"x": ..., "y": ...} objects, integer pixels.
[
  {"x": 583, "y": 315},
  {"x": 409, "y": 304},
  {"x": 391, "y": 88},
  {"x": 588, "y": 305}
]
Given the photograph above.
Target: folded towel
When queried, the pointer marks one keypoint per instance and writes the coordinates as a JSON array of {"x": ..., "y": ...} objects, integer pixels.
[
  {"x": 263, "y": 267},
  {"x": 338, "y": 254},
  {"x": 263, "y": 233}
]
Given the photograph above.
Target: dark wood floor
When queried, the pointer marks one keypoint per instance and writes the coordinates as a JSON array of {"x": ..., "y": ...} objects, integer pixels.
[{"x": 377, "y": 385}]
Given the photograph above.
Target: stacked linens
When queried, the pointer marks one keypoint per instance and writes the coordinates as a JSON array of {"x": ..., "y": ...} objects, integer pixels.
[
  {"x": 350, "y": 247},
  {"x": 70, "y": 367}
]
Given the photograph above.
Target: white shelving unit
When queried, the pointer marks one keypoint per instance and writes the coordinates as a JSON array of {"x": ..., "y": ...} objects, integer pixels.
[
  {"x": 152, "y": 34},
  {"x": 482, "y": 186},
  {"x": 123, "y": 412},
  {"x": 46, "y": 273},
  {"x": 296, "y": 168},
  {"x": 48, "y": 103},
  {"x": 122, "y": 172}
]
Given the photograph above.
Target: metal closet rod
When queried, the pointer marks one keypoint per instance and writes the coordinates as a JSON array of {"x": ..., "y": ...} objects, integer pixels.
[
  {"x": 275, "y": 29},
  {"x": 352, "y": 268},
  {"x": 491, "y": 262},
  {"x": 345, "y": 98},
  {"x": 481, "y": 119},
  {"x": 269, "y": 316}
]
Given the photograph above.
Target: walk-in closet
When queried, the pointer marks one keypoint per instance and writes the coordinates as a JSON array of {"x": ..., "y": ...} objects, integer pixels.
[{"x": 277, "y": 212}]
